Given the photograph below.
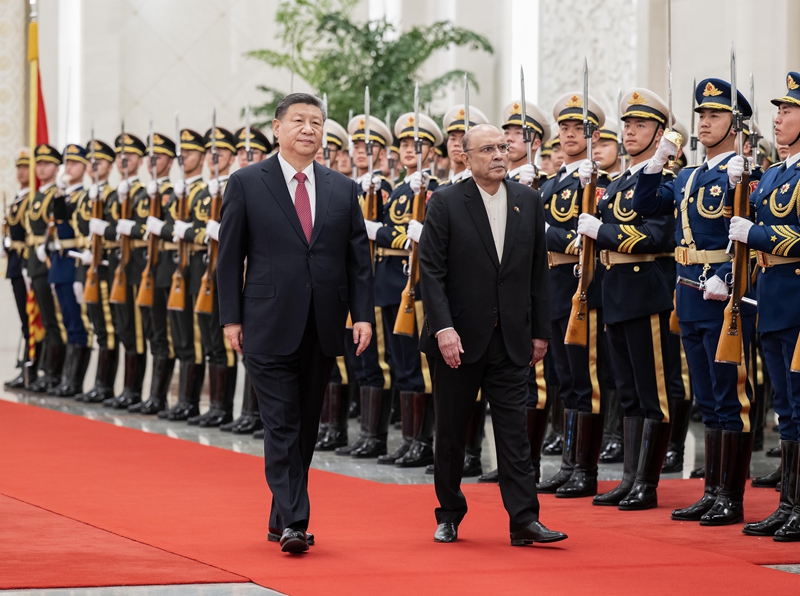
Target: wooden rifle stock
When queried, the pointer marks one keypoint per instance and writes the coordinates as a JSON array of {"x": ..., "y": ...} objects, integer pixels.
[
  {"x": 91, "y": 287},
  {"x": 177, "y": 292},
  {"x": 730, "y": 347},
  {"x": 118, "y": 290},
  {"x": 148, "y": 283},
  {"x": 795, "y": 366},
  {"x": 578, "y": 327},
  {"x": 406, "y": 317},
  {"x": 205, "y": 299}
]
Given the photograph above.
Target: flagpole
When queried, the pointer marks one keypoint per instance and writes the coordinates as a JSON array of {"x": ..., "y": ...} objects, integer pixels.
[{"x": 33, "y": 60}]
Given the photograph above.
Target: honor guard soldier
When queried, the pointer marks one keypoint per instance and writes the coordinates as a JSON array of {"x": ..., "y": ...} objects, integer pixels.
[
  {"x": 182, "y": 317},
  {"x": 453, "y": 127},
  {"x": 637, "y": 300},
  {"x": 721, "y": 390},
  {"x": 221, "y": 358},
  {"x": 128, "y": 228},
  {"x": 606, "y": 151},
  {"x": 16, "y": 250},
  {"x": 63, "y": 273},
  {"x": 100, "y": 311},
  {"x": 380, "y": 136},
  {"x": 38, "y": 231},
  {"x": 390, "y": 234},
  {"x": 519, "y": 168},
  {"x": 166, "y": 342},
  {"x": 546, "y": 158},
  {"x": 577, "y": 366},
  {"x": 774, "y": 237},
  {"x": 337, "y": 138}
]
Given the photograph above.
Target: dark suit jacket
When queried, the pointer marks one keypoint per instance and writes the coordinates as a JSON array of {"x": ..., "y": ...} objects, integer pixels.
[
  {"x": 284, "y": 271},
  {"x": 463, "y": 284}
]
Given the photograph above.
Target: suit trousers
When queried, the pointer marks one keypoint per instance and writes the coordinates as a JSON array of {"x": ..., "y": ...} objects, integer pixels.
[
  {"x": 290, "y": 390},
  {"x": 504, "y": 385}
]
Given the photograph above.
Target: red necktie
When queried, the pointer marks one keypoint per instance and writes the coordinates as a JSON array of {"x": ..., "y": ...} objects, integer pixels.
[{"x": 303, "y": 204}]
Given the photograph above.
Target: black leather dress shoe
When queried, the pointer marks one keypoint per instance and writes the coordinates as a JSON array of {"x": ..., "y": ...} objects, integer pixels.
[
  {"x": 294, "y": 541},
  {"x": 446, "y": 532},
  {"x": 492, "y": 476},
  {"x": 274, "y": 536},
  {"x": 535, "y": 532}
]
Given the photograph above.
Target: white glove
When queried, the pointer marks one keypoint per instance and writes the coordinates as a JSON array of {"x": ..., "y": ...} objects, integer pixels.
[
  {"x": 97, "y": 226},
  {"x": 585, "y": 171},
  {"x": 213, "y": 187},
  {"x": 94, "y": 190},
  {"x": 735, "y": 170},
  {"x": 77, "y": 289},
  {"x": 716, "y": 289},
  {"x": 180, "y": 189},
  {"x": 122, "y": 190},
  {"x": 365, "y": 183},
  {"x": 180, "y": 228},
  {"x": 666, "y": 149},
  {"x": 152, "y": 189},
  {"x": 740, "y": 229},
  {"x": 417, "y": 180},
  {"x": 154, "y": 225},
  {"x": 41, "y": 253},
  {"x": 546, "y": 227},
  {"x": 414, "y": 230},
  {"x": 588, "y": 225},
  {"x": 86, "y": 258},
  {"x": 372, "y": 228},
  {"x": 124, "y": 226},
  {"x": 527, "y": 174},
  {"x": 212, "y": 229},
  {"x": 27, "y": 280},
  {"x": 62, "y": 182}
]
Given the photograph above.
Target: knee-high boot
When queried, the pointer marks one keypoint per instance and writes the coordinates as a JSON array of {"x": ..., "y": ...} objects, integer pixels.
[
  {"x": 632, "y": 431},
  {"x": 655, "y": 440},
  {"x": 713, "y": 479},
  {"x": 567, "y": 457}
]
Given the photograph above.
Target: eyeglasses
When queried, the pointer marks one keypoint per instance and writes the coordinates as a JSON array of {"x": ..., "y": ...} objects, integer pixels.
[{"x": 503, "y": 148}]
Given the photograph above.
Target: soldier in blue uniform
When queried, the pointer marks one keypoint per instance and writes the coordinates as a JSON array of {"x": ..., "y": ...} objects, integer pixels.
[
  {"x": 100, "y": 313},
  {"x": 775, "y": 236},
  {"x": 696, "y": 198},
  {"x": 16, "y": 252},
  {"x": 637, "y": 300},
  {"x": 453, "y": 127},
  {"x": 184, "y": 323},
  {"x": 48, "y": 159},
  {"x": 62, "y": 276},
  {"x": 577, "y": 367}
]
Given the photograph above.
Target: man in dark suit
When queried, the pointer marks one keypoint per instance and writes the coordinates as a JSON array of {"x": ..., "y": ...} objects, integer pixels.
[
  {"x": 485, "y": 290},
  {"x": 300, "y": 227}
]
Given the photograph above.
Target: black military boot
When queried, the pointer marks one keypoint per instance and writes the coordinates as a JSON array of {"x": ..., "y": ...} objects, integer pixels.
[
  {"x": 758, "y": 409},
  {"x": 680, "y": 415},
  {"x": 190, "y": 385},
  {"x": 374, "y": 424},
  {"x": 583, "y": 482},
  {"x": 250, "y": 419},
  {"x": 613, "y": 442},
  {"x": 355, "y": 397},
  {"x": 790, "y": 452},
  {"x": 790, "y": 531},
  {"x": 338, "y": 406},
  {"x": 407, "y": 429},
  {"x": 159, "y": 388},
  {"x": 106, "y": 374},
  {"x": 220, "y": 410},
  {"x": 632, "y": 431},
  {"x": 713, "y": 479},
  {"x": 18, "y": 382},
  {"x": 69, "y": 370},
  {"x": 30, "y": 369},
  {"x": 570, "y": 427},
  {"x": 420, "y": 454},
  {"x": 554, "y": 442},
  {"x": 52, "y": 365},
  {"x": 728, "y": 509},
  {"x": 655, "y": 441},
  {"x": 324, "y": 418},
  {"x": 473, "y": 451},
  {"x": 363, "y": 409},
  {"x": 135, "y": 365},
  {"x": 770, "y": 480}
]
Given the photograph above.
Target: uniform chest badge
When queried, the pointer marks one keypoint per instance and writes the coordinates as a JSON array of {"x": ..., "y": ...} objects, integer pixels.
[
  {"x": 785, "y": 188},
  {"x": 37, "y": 204},
  {"x": 402, "y": 199},
  {"x": 629, "y": 194},
  {"x": 599, "y": 193},
  {"x": 565, "y": 193},
  {"x": 206, "y": 201},
  {"x": 715, "y": 190}
]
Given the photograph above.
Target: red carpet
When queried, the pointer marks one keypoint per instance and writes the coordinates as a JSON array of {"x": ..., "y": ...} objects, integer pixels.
[{"x": 207, "y": 507}]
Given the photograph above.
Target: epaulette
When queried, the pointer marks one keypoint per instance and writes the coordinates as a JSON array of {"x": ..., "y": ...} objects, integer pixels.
[
  {"x": 603, "y": 173},
  {"x": 548, "y": 176},
  {"x": 780, "y": 163}
]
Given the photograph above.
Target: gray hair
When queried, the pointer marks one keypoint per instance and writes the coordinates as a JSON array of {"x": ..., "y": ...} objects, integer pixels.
[{"x": 293, "y": 98}]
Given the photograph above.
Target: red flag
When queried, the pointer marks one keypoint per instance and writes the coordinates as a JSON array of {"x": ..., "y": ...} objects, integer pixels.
[{"x": 41, "y": 118}]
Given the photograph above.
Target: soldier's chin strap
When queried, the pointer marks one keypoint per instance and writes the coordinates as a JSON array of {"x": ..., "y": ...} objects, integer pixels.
[
  {"x": 725, "y": 136},
  {"x": 650, "y": 144},
  {"x": 797, "y": 138}
]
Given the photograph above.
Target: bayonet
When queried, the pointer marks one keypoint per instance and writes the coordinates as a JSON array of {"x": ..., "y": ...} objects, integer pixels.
[
  {"x": 368, "y": 134},
  {"x": 692, "y": 135},
  {"x": 353, "y": 173},
  {"x": 669, "y": 134},
  {"x": 151, "y": 153},
  {"x": 754, "y": 136},
  {"x": 738, "y": 121},
  {"x": 326, "y": 152},
  {"x": 214, "y": 154},
  {"x": 588, "y": 126},
  {"x": 122, "y": 150},
  {"x": 390, "y": 157},
  {"x": 417, "y": 141},
  {"x": 526, "y": 131},
  {"x": 620, "y": 143},
  {"x": 247, "y": 148},
  {"x": 466, "y": 104},
  {"x": 92, "y": 157},
  {"x": 178, "y": 153}
]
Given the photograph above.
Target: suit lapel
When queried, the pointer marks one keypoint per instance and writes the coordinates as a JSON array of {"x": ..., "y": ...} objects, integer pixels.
[
  {"x": 472, "y": 197},
  {"x": 323, "y": 189},
  {"x": 276, "y": 185},
  {"x": 513, "y": 207}
]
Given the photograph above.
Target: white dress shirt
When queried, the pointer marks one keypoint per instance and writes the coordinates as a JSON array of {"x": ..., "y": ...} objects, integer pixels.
[
  {"x": 496, "y": 209},
  {"x": 291, "y": 183},
  {"x": 791, "y": 160},
  {"x": 716, "y": 160},
  {"x": 21, "y": 194},
  {"x": 570, "y": 169}
]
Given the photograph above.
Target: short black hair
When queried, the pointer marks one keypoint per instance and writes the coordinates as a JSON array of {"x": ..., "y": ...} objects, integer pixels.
[{"x": 294, "y": 98}]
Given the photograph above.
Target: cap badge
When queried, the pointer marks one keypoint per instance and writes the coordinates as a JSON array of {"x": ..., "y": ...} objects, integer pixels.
[
  {"x": 636, "y": 99},
  {"x": 157, "y": 140},
  {"x": 44, "y": 149},
  {"x": 127, "y": 139},
  {"x": 574, "y": 102},
  {"x": 711, "y": 90},
  {"x": 73, "y": 149},
  {"x": 790, "y": 82},
  {"x": 186, "y": 136},
  {"x": 516, "y": 108}
]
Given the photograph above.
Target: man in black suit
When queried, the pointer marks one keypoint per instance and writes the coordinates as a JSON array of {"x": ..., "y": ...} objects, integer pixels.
[
  {"x": 485, "y": 290},
  {"x": 300, "y": 227}
]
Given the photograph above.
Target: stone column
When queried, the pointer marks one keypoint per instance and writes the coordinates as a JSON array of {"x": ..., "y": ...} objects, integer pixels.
[{"x": 13, "y": 89}]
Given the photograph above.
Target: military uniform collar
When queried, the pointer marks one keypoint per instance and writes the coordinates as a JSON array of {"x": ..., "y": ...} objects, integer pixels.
[
  {"x": 715, "y": 161},
  {"x": 44, "y": 188},
  {"x": 193, "y": 179},
  {"x": 73, "y": 188},
  {"x": 162, "y": 180},
  {"x": 634, "y": 169},
  {"x": 21, "y": 194},
  {"x": 571, "y": 168},
  {"x": 224, "y": 178},
  {"x": 792, "y": 160}
]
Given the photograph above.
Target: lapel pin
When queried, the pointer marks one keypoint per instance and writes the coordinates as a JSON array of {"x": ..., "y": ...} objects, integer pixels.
[{"x": 516, "y": 208}]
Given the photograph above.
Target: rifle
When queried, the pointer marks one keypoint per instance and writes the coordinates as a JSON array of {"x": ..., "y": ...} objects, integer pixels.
[
  {"x": 730, "y": 347},
  {"x": 91, "y": 287},
  {"x": 205, "y": 299},
  {"x": 578, "y": 329},
  {"x": 177, "y": 291},
  {"x": 370, "y": 207},
  {"x": 118, "y": 288},
  {"x": 406, "y": 316},
  {"x": 145, "y": 295}
]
